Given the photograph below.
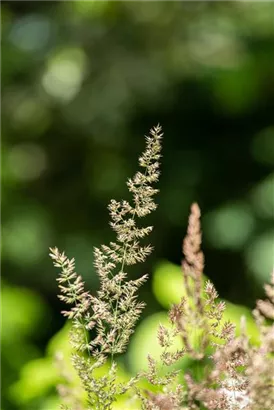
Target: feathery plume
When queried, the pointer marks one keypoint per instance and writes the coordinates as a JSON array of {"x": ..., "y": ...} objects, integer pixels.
[{"x": 114, "y": 311}]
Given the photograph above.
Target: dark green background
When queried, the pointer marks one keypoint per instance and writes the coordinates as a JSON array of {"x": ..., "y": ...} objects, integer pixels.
[{"x": 82, "y": 82}]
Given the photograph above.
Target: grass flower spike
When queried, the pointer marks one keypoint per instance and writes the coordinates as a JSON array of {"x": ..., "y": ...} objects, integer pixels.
[
  {"x": 112, "y": 313},
  {"x": 234, "y": 374}
]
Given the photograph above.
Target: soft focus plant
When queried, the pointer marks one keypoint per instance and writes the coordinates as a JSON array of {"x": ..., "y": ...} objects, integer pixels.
[{"x": 236, "y": 375}]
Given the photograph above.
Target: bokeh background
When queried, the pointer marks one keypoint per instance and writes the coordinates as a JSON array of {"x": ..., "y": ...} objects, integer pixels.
[{"x": 82, "y": 82}]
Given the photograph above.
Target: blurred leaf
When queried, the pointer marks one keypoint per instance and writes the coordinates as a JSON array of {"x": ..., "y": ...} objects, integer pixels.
[
  {"x": 37, "y": 378},
  {"x": 51, "y": 403},
  {"x": 144, "y": 342},
  {"x": 259, "y": 256},
  {"x": 168, "y": 284},
  {"x": 60, "y": 342},
  {"x": 22, "y": 313}
]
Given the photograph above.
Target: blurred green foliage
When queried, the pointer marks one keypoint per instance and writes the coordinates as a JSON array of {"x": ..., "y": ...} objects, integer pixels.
[
  {"x": 39, "y": 377},
  {"x": 82, "y": 81},
  {"x": 23, "y": 312}
]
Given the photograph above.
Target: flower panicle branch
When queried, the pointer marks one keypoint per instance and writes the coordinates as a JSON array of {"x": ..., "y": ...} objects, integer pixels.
[{"x": 113, "y": 312}]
